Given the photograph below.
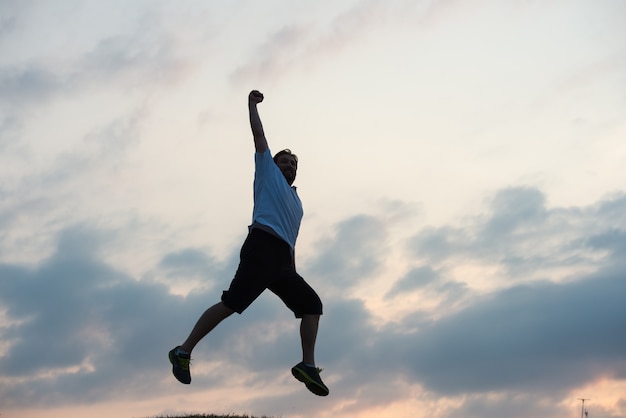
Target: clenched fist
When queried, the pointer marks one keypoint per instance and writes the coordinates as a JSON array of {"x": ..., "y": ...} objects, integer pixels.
[{"x": 255, "y": 97}]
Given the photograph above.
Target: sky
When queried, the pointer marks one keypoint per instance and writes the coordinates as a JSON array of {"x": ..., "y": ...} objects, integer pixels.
[{"x": 462, "y": 174}]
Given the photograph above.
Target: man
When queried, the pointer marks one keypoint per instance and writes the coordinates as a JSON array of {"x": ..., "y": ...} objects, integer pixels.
[{"x": 267, "y": 260}]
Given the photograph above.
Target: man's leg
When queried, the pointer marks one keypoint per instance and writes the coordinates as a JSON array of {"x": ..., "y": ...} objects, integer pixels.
[
  {"x": 304, "y": 302},
  {"x": 208, "y": 320},
  {"x": 181, "y": 355},
  {"x": 306, "y": 371},
  {"x": 308, "y": 335}
]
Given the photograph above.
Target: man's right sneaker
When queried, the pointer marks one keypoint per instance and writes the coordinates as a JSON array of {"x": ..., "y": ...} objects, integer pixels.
[
  {"x": 310, "y": 376},
  {"x": 180, "y": 365}
]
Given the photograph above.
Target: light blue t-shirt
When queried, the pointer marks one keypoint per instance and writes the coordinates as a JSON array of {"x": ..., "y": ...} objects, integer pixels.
[{"x": 276, "y": 203}]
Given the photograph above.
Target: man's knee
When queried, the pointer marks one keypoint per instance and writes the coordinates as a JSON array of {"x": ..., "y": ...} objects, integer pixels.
[
  {"x": 224, "y": 309},
  {"x": 314, "y": 307}
]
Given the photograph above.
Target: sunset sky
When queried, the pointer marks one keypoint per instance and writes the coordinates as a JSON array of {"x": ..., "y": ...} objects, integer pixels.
[{"x": 462, "y": 170}]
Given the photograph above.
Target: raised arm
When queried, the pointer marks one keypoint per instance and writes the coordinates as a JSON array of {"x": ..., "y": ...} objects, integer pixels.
[{"x": 260, "y": 143}]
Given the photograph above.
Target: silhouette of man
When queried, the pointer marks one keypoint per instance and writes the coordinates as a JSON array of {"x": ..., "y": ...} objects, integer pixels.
[{"x": 266, "y": 260}]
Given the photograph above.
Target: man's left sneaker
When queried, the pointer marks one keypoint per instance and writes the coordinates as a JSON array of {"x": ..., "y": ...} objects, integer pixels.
[
  {"x": 180, "y": 366},
  {"x": 310, "y": 376}
]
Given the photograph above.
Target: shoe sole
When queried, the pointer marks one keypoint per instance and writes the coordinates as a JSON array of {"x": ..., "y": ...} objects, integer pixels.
[{"x": 310, "y": 384}]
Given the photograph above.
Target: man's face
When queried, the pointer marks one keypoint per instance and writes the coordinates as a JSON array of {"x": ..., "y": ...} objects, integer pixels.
[{"x": 288, "y": 166}]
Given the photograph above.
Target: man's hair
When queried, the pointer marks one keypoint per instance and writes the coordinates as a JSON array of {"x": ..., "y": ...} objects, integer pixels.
[{"x": 286, "y": 151}]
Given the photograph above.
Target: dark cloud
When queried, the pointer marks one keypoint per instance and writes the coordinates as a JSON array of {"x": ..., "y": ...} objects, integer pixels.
[
  {"x": 541, "y": 338},
  {"x": 355, "y": 251},
  {"x": 532, "y": 338},
  {"x": 81, "y": 330},
  {"x": 613, "y": 240},
  {"x": 435, "y": 244},
  {"x": 192, "y": 263},
  {"x": 415, "y": 279},
  {"x": 195, "y": 262},
  {"x": 513, "y": 210},
  {"x": 20, "y": 85},
  {"x": 521, "y": 234}
]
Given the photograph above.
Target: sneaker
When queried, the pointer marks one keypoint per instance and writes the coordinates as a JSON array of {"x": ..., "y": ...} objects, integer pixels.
[
  {"x": 310, "y": 376},
  {"x": 180, "y": 366}
]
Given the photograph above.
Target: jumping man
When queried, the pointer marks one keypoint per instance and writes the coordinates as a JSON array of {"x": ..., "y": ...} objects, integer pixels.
[{"x": 267, "y": 260}]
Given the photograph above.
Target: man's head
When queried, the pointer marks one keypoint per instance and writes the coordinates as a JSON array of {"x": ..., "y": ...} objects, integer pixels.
[{"x": 287, "y": 162}]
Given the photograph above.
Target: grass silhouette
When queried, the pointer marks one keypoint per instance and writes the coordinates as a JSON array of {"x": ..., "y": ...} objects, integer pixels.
[{"x": 212, "y": 416}]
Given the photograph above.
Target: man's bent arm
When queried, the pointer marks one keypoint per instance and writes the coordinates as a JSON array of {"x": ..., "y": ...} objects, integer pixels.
[{"x": 260, "y": 142}]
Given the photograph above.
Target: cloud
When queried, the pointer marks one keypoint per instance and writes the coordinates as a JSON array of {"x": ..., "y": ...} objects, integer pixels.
[
  {"x": 27, "y": 84},
  {"x": 305, "y": 44},
  {"x": 540, "y": 338},
  {"x": 79, "y": 330},
  {"x": 537, "y": 340},
  {"x": 355, "y": 251},
  {"x": 119, "y": 61},
  {"x": 613, "y": 240},
  {"x": 77, "y": 325},
  {"x": 139, "y": 58},
  {"x": 187, "y": 262},
  {"x": 77, "y": 177},
  {"x": 8, "y": 16},
  {"x": 80, "y": 326},
  {"x": 278, "y": 55},
  {"x": 522, "y": 235},
  {"x": 527, "y": 339},
  {"x": 415, "y": 279},
  {"x": 514, "y": 209},
  {"x": 522, "y": 338}
]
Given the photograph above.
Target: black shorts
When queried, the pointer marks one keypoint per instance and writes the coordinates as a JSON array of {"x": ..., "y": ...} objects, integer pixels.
[{"x": 266, "y": 262}]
